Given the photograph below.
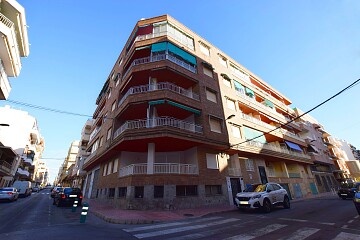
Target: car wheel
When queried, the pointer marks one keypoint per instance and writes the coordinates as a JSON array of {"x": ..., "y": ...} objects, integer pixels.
[
  {"x": 266, "y": 206},
  {"x": 286, "y": 202}
]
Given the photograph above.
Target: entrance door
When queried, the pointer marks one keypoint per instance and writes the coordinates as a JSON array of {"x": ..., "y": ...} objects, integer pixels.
[
  {"x": 263, "y": 176},
  {"x": 235, "y": 187}
]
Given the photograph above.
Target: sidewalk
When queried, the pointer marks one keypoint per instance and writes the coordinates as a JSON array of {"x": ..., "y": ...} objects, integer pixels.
[{"x": 114, "y": 215}]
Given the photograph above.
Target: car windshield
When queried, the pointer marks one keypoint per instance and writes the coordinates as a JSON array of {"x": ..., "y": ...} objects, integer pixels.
[
  {"x": 250, "y": 188},
  {"x": 348, "y": 185},
  {"x": 71, "y": 190},
  {"x": 260, "y": 188}
]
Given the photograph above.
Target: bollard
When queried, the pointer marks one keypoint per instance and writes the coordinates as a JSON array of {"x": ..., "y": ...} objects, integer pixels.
[
  {"x": 84, "y": 212},
  {"x": 75, "y": 204}
]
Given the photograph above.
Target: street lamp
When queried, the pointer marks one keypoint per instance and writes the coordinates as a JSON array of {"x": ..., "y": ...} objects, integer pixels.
[{"x": 230, "y": 117}]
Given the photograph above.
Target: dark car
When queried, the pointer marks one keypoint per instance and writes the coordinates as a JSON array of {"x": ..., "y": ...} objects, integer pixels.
[
  {"x": 357, "y": 199},
  {"x": 348, "y": 190},
  {"x": 66, "y": 197}
]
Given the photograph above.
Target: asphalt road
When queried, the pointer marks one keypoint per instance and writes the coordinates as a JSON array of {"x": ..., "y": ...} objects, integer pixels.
[{"x": 327, "y": 218}]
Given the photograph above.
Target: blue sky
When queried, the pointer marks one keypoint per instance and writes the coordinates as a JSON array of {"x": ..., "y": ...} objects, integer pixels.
[{"x": 308, "y": 50}]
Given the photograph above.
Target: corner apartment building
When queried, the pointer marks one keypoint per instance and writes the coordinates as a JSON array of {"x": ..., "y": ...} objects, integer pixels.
[
  {"x": 14, "y": 43},
  {"x": 181, "y": 124},
  {"x": 23, "y": 147}
]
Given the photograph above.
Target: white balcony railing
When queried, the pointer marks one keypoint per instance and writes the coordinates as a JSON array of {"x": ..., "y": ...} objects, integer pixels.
[
  {"x": 159, "y": 86},
  {"x": 160, "y": 57},
  {"x": 158, "y": 122},
  {"x": 159, "y": 168},
  {"x": 23, "y": 172}
]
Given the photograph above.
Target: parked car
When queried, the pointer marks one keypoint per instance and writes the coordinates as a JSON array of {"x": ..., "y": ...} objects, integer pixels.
[
  {"x": 66, "y": 197},
  {"x": 263, "y": 196},
  {"x": 9, "y": 194},
  {"x": 348, "y": 190},
  {"x": 23, "y": 187},
  {"x": 55, "y": 190},
  {"x": 35, "y": 189},
  {"x": 356, "y": 199}
]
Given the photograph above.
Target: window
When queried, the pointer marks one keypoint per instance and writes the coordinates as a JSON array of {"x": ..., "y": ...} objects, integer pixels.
[
  {"x": 230, "y": 104},
  {"x": 101, "y": 142},
  {"x": 158, "y": 191},
  {"x": 109, "y": 93},
  {"x": 205, "y": 49},
  {"x": 120, "y": 61},
  {"x": 113, "y": 106},
  {"x": 249, "y": 165},
  {"x": 215, "y": 124},
  {"x": 318, "y": 180},
  {"x": 212, "y": 161},
  {"x": 235, "y": 129},
  {"x": 122, "y": 192},
  {"x": 116, "y": 164},
  {"x": 139, "y": 191},
  {"x": 211, "y": 95},
  {"x": 108, "y": 134},
  {"x": 109, "y": 170},
  {"x": 188, "y": 190},
  {"x": 227, "y": 82},
  {"x": 208, "y": 72},
  {"x": 222, "y": 60},
  {"x": 211, "y": 190},
  {"x": 111, "y": 193},
  {"x": 105, "y": 170},
  {"x": 95, "y": 146}
]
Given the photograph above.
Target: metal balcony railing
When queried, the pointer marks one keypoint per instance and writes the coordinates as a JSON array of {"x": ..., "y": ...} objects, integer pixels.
[
  {"x": 158, "y": 122},
  {"x": 159, "y": 86},
  {"x": 159, "y": 168}
]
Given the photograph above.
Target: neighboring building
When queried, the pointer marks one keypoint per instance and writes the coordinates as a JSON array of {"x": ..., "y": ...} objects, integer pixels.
[
  {"x": 355, "y": 152},
  {"x": 353, "y": 165},
  {"x": 78, "y": 173},
  {"x": 180, "y": 124},
  {"x": 22, "y": 137},
  {"x": 317, "y": 140},
  {"x": 339, "y": 155},
  {"x": 65, "y": 175},
  {"x": 14, "y": 43}
]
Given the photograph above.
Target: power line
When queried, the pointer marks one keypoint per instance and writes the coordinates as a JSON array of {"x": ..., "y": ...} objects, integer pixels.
[
  {"x": 282, "y": 125},
  {"x": 48, "y": 109}
]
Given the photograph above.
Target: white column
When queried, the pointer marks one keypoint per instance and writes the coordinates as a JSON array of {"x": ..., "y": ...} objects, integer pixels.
[{"x": 150, "y": 158}]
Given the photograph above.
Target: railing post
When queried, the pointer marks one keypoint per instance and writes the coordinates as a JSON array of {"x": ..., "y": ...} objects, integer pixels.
[{"x": 75, "y": 204}]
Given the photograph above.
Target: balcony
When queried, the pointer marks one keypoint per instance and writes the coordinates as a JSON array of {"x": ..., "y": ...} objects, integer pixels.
[
  {"x": 27, "y": 161},
  {"x": 94, "y": 133},
  {"x": 159, "y": 168},
  {"x": 5, "y": 167},
  {"x": 273, "y": 151},
  {"x": 158, "y": 122},
  {"x": 251, "y": 101},
  {"x": 159, "y": 86},
  {"x": 23, "y": 173},
  {"x": 159, "y": 57}
]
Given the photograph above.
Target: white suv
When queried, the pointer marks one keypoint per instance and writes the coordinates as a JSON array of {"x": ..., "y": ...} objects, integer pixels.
[{"x": 263, "y": 196}]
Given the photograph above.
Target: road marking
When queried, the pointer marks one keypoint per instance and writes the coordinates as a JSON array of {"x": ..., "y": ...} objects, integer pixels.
[
  {"x": 182, "y": 229},
  {"x": 258, "y": 233},
  {"x": 135, "y": 229},
  {"x": 301, "y": 234},
  {"x": 301, "y": 220},
  {"x": 346, "y": 236}
]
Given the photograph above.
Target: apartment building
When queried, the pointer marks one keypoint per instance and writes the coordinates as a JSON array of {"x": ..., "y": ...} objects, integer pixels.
[
  {"x": 22, "y": 141},
  {"x": 318, "y": 143},
  {"x": 181, "y": 124},
  {"x": 65, "y": 174},
  {"x": 14, "y": 43}
]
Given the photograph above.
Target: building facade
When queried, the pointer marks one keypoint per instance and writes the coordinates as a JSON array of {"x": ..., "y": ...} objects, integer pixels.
[
  {"x": 65, "y": 174},
  {"x": 23, "y": 138},
  {"x": 14, "y": 43},
  {"x": 181, "y": 124}
]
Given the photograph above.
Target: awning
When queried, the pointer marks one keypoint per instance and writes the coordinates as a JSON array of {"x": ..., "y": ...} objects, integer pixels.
[
  {"x": 158, "y": 47},
  {"x": 162, "y": 101},
  {"x": 190, "y": 109},
  {"x": 249, "y": 92},
  {"x": 268, "y": 103},
  {"x": 293, "y": 146},
  {"x": 163, "y": 46}
]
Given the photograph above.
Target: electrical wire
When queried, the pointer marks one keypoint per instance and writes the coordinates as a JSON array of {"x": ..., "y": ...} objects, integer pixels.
[{"x": 287, "y": 123}]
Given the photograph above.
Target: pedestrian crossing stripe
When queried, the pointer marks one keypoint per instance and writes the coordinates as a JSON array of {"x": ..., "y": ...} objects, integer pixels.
[{"x": 258, "y": 233}]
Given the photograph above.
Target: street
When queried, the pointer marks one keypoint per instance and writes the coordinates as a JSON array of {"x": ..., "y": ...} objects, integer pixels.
[{"x": 322, "y": 218}]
